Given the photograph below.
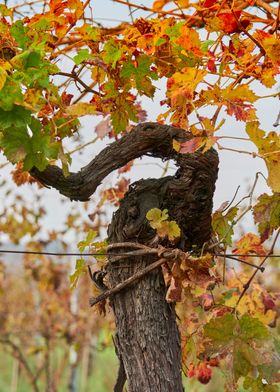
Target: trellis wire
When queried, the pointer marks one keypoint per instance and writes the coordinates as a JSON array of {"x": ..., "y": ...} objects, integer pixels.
[{"x": 30, "y": 252}]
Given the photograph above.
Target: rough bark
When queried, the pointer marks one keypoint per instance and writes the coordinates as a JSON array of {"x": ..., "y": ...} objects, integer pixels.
[
  {"x": 145, "y": 139},
  {"x": 148, "y": 341}
]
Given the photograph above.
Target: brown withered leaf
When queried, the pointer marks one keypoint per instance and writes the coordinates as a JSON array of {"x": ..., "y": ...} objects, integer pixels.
[{"x": 174, "y": 292}]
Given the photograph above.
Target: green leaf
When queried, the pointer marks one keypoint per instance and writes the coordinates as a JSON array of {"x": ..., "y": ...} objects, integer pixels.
[
  {"x": 252, "y": 328},
  {"x": 80, "y": 269},
  {"x": 32, "y": 146},
  {"x": 17, "y": 117},
  {"x": 93, "y": 33},
  {"x": 33, "y": 59},
  {"x": 19, "y": 33},
  {"x": 82, "y": 55},
  {"x": 160, "y": 41},
  {"x": 205, "y": 45},
  {"x": 241, "y": 360},
  {"x": 88, "y": 241},
  {"x": 222, "y": 224},
  {"x": 119, "y": 121},
  {"x": 221, "y": 330},
  {"x": 256, "y": 385},
  {"x": 42, "y": 24},
  {"x": 112, "y": 53},
  {"x": 141, "y": 73},
  {"x": 10, "y": 94},
  {"x": 158, "y": 221},
  {"x": 174, "y": 32}
]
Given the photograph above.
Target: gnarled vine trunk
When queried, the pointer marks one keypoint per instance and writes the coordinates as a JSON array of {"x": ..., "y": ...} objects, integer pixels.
[{"x": 147, "y": 340}]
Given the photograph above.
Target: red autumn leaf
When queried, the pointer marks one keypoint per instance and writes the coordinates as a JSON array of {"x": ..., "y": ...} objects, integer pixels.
[
  {"x": 241, "y": 110},
  {"x": 191, "y": 371},
  {"x": 229, "y": 22},
  {"x": 209, "y": 3},
  {"x": 66, "y": 98},
  {"x": 170, "y": 83},
  {"x": 268, "y": 302},
  {"x": 213, "y": 362},
  {"x": 245, "y": 23},
  {"x": 204, "y": 373},
  {"x": 211, "y": 65}
]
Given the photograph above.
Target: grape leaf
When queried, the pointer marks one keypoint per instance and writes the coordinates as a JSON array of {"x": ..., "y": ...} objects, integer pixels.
[
  {"x": 82, "y": 55},
  {"x": 81, "y": 109},
  {"x": 19, "y": 33},
  {"x": 16, "y": 117},
  {"x": 3, "y": 77},
  {"x": 269, "y": 150},
  {"x": 221, "y": 330},
  {"x": 222, "y": 224},
  {"x": 252, "y": 328},
  {"x": 267, "y": 214},
  {"x": 10, "y": 94},
  {"x": 112, "y": 52},
  {"x": 249, "y": 243},
  {"x": 158, "y": 221},
  {"x": 80, "y": 268},
  {"x": 30, "y": 145}
]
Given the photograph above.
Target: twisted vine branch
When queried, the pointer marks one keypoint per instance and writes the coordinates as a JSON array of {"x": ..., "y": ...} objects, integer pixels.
[{"x": 145, "y": 139}]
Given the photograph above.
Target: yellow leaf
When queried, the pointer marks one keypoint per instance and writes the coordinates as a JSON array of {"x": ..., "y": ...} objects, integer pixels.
[
  {"x": 181, "y": 85},
  {"x": 272, "y": 48},
  {"x": 176, "y": 145},
  {"x": 33, "y": 99},
  {"x": 155, "y": 216},
  {"x": 269, "y": 150},
  {"x": 240, "y": 92},
  {"x": 183, "y": 3},
  {"x": 81, "y": 109},
  {"x": 268, "y": 317},
  {"x": 174, "y": 230},
  {"x": 158, "y": 221},
  {"x": 3, "y": 77}
]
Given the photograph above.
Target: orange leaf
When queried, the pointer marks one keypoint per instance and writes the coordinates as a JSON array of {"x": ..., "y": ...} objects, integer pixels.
[{"x": 248, "y": 244}]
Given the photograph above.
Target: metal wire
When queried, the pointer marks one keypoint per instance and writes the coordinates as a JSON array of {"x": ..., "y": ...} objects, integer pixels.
[{"x": 30, "y": 252}]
